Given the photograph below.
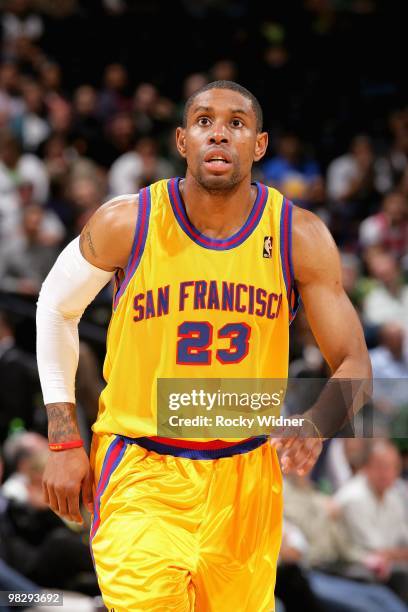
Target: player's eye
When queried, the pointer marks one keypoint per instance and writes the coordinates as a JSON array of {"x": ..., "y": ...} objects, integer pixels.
[
  {"x": 237, "y": 123},
  {"x": 204, "y": 121}
]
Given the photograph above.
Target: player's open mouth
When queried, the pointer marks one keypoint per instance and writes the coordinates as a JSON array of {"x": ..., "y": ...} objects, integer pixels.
[
  {"x": 217, "y": 161},
  {"x": 217, "y": 154}
]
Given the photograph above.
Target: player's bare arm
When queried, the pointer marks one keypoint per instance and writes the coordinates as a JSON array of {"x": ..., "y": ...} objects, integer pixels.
[
  {"x": 106, "y": 240},
  {"x": 333, "y": 321},
  {"x": 106, "y": 243}
]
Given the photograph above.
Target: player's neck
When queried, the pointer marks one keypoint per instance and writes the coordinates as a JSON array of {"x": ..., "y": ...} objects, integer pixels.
[{"x": 217, "y": 214}]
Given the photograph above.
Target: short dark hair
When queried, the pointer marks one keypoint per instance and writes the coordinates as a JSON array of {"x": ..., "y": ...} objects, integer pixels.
[{"x": 256, "y": 107}]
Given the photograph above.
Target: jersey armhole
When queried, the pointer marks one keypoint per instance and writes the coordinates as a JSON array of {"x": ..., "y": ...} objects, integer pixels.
[
  {"x": 138, "y": 246},
  {"x": 292, "y": 292}
]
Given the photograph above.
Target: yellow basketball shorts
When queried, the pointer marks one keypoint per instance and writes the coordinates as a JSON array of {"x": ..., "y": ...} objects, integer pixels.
[{"x": 171, "y": 533}]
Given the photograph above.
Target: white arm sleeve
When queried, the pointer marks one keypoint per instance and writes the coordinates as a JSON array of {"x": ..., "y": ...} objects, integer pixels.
[{"x": 69, "y": 288}]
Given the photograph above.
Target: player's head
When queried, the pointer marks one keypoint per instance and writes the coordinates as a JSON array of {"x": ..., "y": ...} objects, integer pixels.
[{"x": 221, "y": 135}]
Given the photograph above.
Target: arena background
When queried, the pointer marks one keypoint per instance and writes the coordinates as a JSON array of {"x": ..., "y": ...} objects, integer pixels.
[{"x": 90, "y": 94}]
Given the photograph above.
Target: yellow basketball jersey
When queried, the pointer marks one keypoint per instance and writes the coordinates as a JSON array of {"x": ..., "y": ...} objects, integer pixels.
[{"x": 189, "y": 306}]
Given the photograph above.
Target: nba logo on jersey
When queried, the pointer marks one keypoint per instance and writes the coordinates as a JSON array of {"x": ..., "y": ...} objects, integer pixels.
[{"x": 267, "y": 247}]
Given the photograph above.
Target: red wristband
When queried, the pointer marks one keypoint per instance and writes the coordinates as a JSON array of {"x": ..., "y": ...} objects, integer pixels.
[{"x": 59, "y": 446}]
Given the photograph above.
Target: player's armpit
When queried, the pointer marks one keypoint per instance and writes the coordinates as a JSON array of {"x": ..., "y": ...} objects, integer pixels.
[
  {"x": 332, "y": 317},
  {"x": 106, "y": 240}
]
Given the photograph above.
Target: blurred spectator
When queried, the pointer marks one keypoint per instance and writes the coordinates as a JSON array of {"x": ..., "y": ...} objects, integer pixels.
[
  {"x": 390, "y": 371},
  {"x": 19, "y": 382},
  {"x": 398, "y": 154},
  {"x": 126, "y": 174},
  {"x": 60, "y": 9},
  {"x": 357, "y": 179},
  {"x": 120, "y": 135},
  {"x": 52, "y": 229},
  {"x": 144, "y": 107},
  {"x": 138, "y": 168},
  {"x": 154, "y": 167},
  {"x": 292, "y": 584},
  {"x": 19, "y": 450},
  {"x": 117, "y": 7},
  {"x": 193, "y": 83},
  {"x": 112, "y": 99},
  {"x": 294, "y": 174},
  {"x": 16, "y": 168},
  {"x": 344, "y": 458},
  {"x": 57, "y": 160},
  {"x": 374, "y": 517},
  {"x": 20, "y": 22},
  {"x": 390, "y": 358},
  {"x": 153, "y": 114},
  {"x": 87, "y": 193},
  {"x": 310, "y": 364},
  {"x": 51, "y": 79},
  {"x": 26, "y": 261},
  {"x": 388, "y": 298},
  {"x": 315, "y": 513},
  {"x": 86, "y": 127},
  {"x": 28, "y": 55},
  {"x": 388, "y": 228},
  {"x": 328, "y": 550},
  {"x": 224, "y": 70},
  {"x": 60, "y": 117},
  {"x": 11, "y": 102},
  {"x": 31, "y": 127},
  {"x": 351, "y": 271}
]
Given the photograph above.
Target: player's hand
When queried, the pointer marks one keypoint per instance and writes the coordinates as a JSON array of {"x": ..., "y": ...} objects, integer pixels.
[
  {"x": 67, "y": 475},
  {"x": 298, "y": 448}
]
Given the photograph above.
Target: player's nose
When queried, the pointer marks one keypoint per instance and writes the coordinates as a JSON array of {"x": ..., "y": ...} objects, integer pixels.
[{"x": 218, "y": 134}]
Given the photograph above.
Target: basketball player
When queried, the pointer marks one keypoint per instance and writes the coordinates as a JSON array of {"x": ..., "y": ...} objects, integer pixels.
[{"x": 208, "y": 270}]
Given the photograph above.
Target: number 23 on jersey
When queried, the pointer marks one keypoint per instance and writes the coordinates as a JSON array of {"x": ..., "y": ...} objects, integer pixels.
[{"x": 194, "y": 346}]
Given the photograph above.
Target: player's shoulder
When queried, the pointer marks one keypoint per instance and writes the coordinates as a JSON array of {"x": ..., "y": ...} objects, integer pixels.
[
  {"x": 313, "y": 247},
  {"x": 309, "y": 230},
  {"x": 122, "y": 210},
  {"x": 118, "y": 213},
  {"x": 107, "y": 238},
  {"x": 120, "y": 204}
]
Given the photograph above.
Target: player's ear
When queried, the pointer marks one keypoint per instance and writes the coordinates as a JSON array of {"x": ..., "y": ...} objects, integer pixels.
[
  {"x": 261, "y": 145},
  {"x": 181, "y": 141}
]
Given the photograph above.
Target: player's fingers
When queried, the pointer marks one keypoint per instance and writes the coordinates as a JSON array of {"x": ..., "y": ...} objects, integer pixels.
[
  {"x": 87, "y": 495},
  {"x": 305, "y": 454},
  {"x": 296, "y": 455},
  {"x": 309, "y": 462},
  {"x": 53, "y": 500},
  {"x": 45, "y": 493},
  {"x": 286, "y": 465},
  {"x": 283, "y": 443},
  {"x": 62, "y": 505},
  {"x": 73, "y": 504}
]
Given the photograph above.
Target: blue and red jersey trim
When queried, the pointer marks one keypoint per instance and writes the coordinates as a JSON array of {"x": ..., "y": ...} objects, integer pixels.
[
  {"x": 112, "y": 459},
  {"x": 173, "y": 187},
  {"x": 286, "y": 257},
  {"x": 214, "y": 449},
  {"x": 139, "y": 243}
]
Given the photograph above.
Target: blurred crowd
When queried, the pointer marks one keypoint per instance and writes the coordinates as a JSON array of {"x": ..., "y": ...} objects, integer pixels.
[{"x": 88, "y": 113}]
